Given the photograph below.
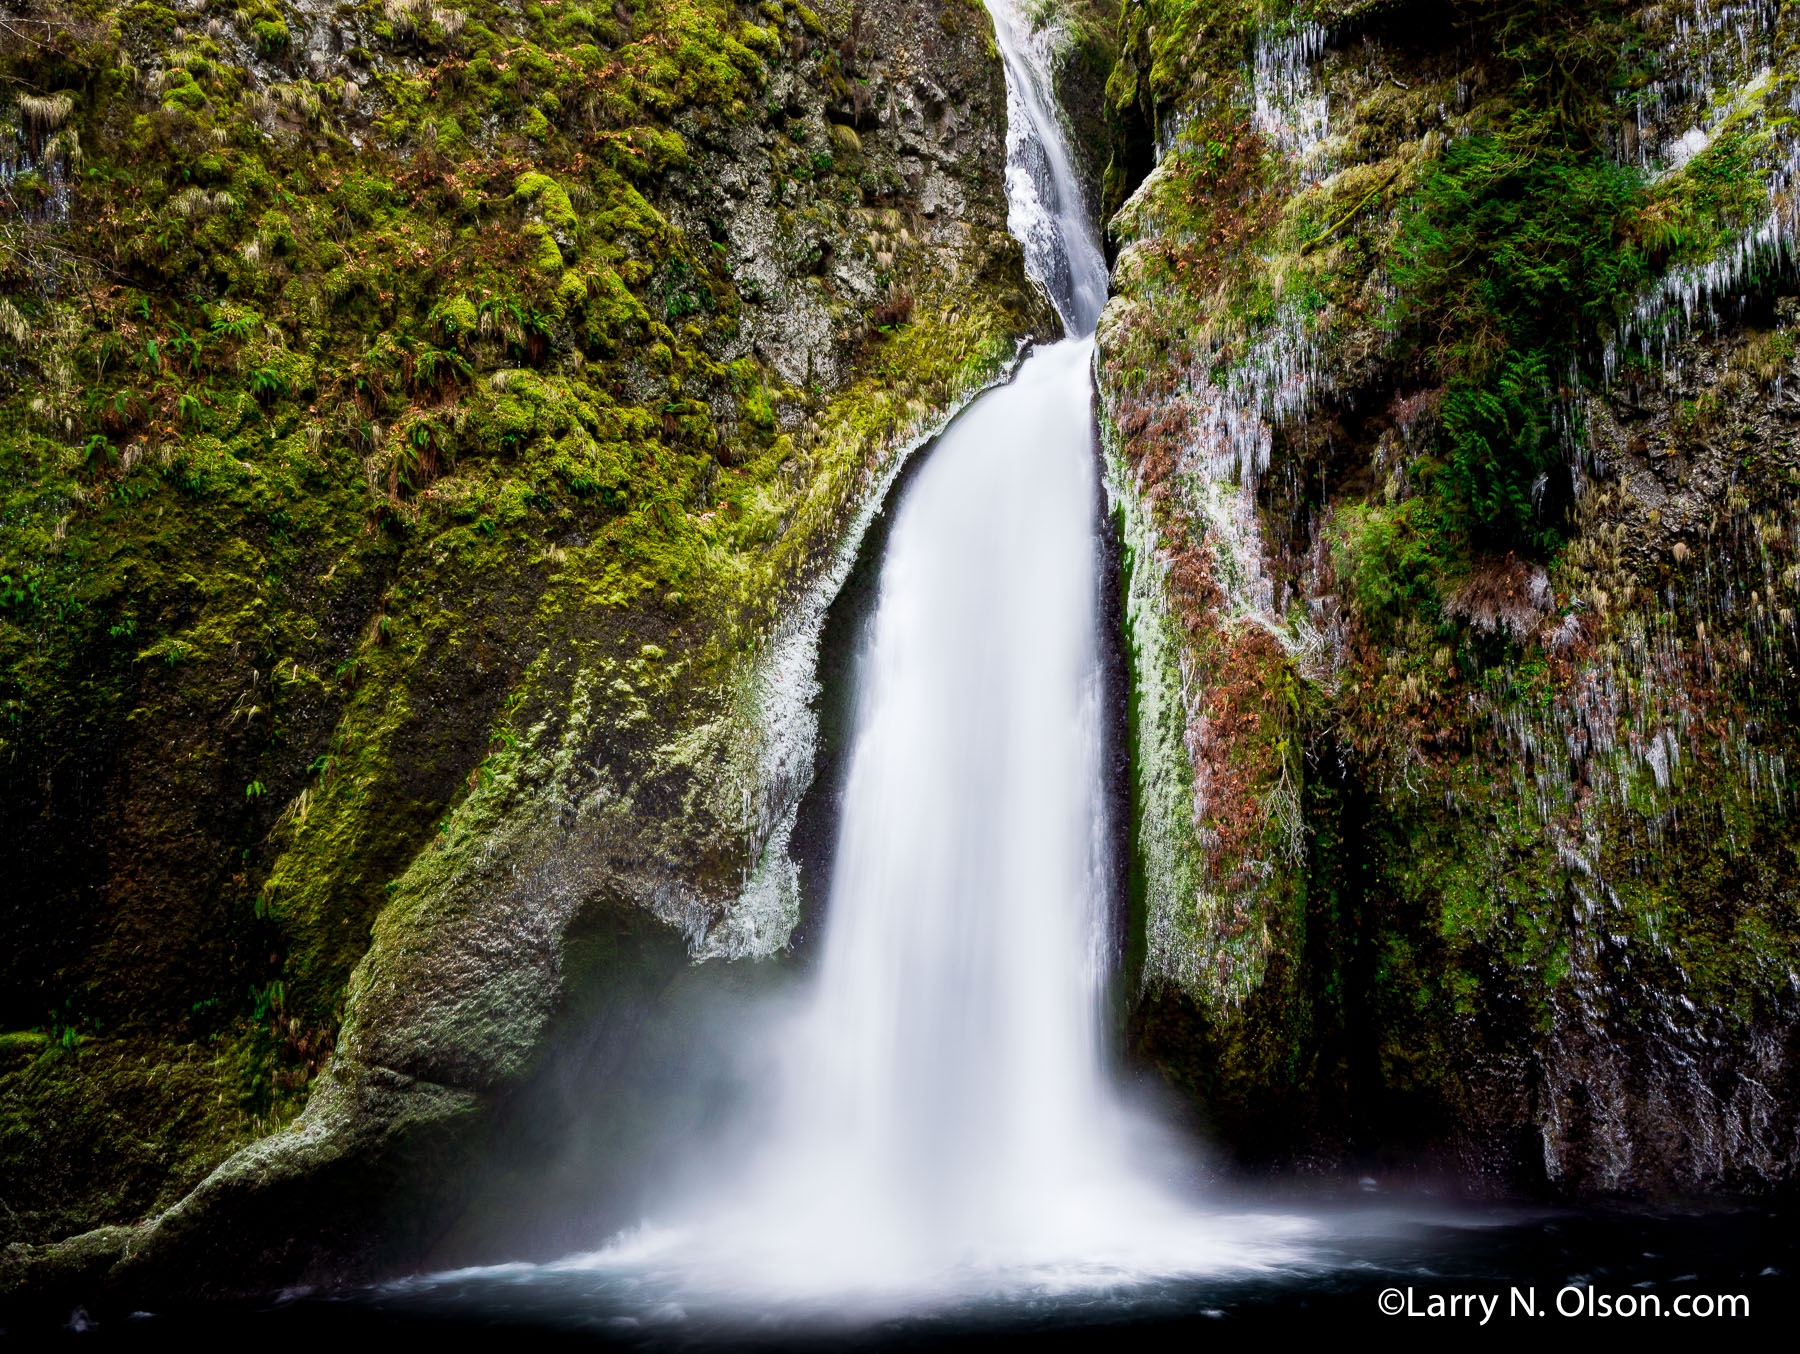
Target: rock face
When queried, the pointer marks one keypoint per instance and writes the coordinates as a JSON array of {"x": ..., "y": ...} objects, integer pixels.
[
  {"x": 1448, "y": 396},
  {"x": 431, "y": 434}
]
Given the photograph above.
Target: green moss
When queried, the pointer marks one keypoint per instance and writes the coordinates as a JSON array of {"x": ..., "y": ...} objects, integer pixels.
[
  {"x": 1393, "y": 556},
  {"x": 543, "y": 192},
  {"x": 571, "y": 290},
  {"x": 271, "y": 36},
  {"x": 69, "y": 1166},
  {"x": 182, "y": 91},
  {"x": 545, "y": 257},
  {"x": 457, "y": 318},
  {"x": 1697, "y": 211},
  {"x": 845, "y": 143}
]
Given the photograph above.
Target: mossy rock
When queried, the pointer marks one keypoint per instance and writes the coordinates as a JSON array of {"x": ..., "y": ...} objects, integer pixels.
[{"x": 846, "y": 145}]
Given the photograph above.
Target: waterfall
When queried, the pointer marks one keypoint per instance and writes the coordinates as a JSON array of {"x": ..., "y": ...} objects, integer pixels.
[
  {"x": 939, "y": 1123},
  {"x": 949, "y": 1074},
  {"x": 947, "y": 1095}
]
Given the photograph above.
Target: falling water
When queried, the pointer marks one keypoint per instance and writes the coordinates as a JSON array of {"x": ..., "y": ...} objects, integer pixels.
[
  {"x": 941, "y": 1125},
  {"x": 948, "y": 1095},
  {"x": 1046, "y": 210},
  {"x": 950, "y": 1068}
]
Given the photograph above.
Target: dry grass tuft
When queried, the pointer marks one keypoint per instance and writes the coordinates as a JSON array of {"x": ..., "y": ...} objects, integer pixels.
[{"x": 1503, "y": 594}]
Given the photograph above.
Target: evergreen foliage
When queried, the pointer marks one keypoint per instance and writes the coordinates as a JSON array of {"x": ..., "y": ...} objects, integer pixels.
[{"x": 1516, "y": 256}]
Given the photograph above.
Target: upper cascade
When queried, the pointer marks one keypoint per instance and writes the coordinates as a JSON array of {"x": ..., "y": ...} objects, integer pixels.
[{"x": 1047, "y": 210}]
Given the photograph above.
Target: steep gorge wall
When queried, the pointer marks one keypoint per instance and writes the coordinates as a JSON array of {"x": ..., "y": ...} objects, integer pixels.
[
  {"x": 1448, "y": 390},
  {"x": 429, "y": 432}
]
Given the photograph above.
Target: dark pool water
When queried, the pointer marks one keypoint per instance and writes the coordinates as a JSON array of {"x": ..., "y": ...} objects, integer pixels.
[{"x": 1462, "y": 1271}]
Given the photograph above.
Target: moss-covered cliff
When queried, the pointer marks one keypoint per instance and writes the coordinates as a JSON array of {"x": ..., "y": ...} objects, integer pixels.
[
  {"x": 426, "y": 431},
  {"x": 1448, "y": 394}
]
